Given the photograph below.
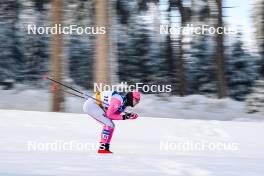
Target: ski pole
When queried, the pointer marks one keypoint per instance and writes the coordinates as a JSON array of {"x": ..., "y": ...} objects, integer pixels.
[
  {"x": 73, "y": 94},
  {"x": 53, "y": 80},
  {"x": 76, "y": 90},
  {"x": 54, "y": 88}
]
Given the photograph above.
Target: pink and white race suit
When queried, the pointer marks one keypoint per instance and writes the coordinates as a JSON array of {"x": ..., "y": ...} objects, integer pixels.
[{"x": 109, "y": 108}]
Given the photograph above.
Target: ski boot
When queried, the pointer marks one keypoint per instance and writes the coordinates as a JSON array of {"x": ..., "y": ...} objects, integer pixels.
[{"x": 104, "y": 148}]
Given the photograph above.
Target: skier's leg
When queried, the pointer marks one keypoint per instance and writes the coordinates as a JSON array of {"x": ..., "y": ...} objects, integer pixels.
[
  {"x": 107, "y": 134},
  {"x": 91, "y": 108}
]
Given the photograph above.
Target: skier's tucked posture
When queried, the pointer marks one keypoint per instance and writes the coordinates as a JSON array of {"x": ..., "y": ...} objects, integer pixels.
[{"x": 110, "y": 106}]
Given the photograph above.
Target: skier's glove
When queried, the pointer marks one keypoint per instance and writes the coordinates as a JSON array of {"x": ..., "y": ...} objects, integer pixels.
[
  {"x": 129, "y": 115},
  {"x": 134, "y": 116}
]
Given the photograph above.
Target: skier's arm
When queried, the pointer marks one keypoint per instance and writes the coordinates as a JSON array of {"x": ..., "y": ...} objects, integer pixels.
[{"x": 112, "y": 111}]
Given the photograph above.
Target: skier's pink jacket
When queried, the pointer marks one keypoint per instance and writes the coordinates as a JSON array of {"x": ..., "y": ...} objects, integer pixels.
[{"x": 113, "y": 109}]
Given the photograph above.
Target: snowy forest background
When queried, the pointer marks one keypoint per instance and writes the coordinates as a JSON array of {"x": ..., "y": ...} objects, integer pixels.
[{"x": 212, "y": 65}]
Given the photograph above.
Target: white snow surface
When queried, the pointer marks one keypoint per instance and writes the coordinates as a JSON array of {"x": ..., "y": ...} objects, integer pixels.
[
  {"x": 189, "y": 107},
  {"x": 139, "y": 146}
]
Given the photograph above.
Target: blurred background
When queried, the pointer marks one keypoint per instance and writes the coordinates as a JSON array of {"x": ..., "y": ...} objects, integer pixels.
[{"x": 200, "y": 68}]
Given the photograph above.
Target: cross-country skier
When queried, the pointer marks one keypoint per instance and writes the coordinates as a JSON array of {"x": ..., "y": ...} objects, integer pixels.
[{"x": 108, "y": 106}]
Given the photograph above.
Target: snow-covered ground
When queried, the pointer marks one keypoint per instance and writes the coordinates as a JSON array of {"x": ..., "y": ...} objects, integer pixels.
[
  {"x": 190, "y": 107},
  {"x": 64, "y": 144}
]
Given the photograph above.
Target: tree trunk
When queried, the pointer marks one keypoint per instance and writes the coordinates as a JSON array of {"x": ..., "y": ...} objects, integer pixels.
[
  {"x": 57, "y": 98},
  {"x": 182, "y": 80},
  {"x": 262, "y": 41},
  {"x": 172, "y": 68},
  {"x": 101, "y": 61},
  {"x": 220, "y": 73},
  {"x": 113, "y": 38}
]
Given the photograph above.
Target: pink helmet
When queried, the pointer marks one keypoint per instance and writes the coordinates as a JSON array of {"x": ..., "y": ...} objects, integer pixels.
[{"x": 136, "y": 95}]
